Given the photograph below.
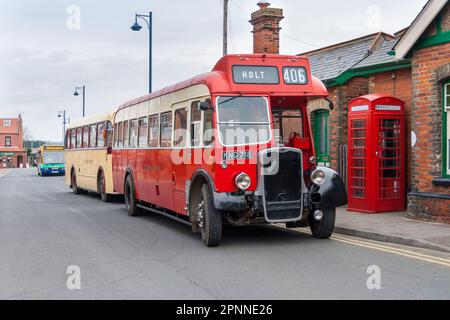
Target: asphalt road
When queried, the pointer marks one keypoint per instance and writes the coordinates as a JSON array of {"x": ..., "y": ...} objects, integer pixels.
[{"x": 44, "y": 229}]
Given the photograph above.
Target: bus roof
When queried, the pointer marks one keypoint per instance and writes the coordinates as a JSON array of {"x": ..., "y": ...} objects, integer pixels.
[
  {"x": 220, "y": 79},
  {"x": 91, "y": 120}
]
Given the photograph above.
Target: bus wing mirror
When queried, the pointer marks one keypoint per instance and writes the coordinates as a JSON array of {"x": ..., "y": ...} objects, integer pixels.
[
  {"x": 109, "y": 150},
  {"x": 205, "y": 106},
  {"x": 330, "y": 103}
]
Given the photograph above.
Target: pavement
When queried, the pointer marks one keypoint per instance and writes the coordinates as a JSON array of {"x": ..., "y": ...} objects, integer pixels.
[
  {"x": 394, "y": 228},
  {"x": 47, "y": 232}
]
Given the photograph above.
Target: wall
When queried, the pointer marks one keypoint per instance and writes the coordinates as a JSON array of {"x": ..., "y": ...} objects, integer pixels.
[
  {"x": 427, "y": 199},
  {"x": 398, "y": 84}
]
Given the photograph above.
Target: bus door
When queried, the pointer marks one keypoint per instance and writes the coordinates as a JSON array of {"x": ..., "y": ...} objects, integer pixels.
[
  {"x": 165, "y": 174},
  {"x": 179, "y": 157}
]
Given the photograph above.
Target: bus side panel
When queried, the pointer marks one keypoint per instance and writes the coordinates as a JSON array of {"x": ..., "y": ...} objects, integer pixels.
[
  {"x": 118, "y": 172},
  {"x": 108, "y": 174},
  {"x": 140, "y": 174},
  {"x": 152, "y": 160},
  {"x": 165, "y": 179},
  {"x": 179, "y": 166}
]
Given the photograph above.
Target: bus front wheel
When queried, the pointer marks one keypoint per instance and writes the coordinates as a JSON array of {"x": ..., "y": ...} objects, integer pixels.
[
  {"x": 324, "y": 228},
  {"x": 210, "y": 219},
  {"x": 130, "y": 198},
  {"x": 75, "y": 188}
]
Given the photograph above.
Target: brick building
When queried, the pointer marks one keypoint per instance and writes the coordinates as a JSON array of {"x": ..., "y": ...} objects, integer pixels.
[
  {"x": 412, "y": 65},
  {"x": 12, "y": 153}
]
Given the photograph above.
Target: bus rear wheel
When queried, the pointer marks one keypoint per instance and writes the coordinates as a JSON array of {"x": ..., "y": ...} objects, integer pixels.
[
  {"x": 210, "y": 219},
  {"x": 324, "y": 228},
  {"x": 75, "y": 188},
  {"x": 101, "y": 187},
  {"x": 130, "y": 198}
]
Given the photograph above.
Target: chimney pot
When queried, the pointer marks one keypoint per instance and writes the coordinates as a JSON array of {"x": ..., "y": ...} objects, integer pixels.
[{"x": 263, "y": 4}]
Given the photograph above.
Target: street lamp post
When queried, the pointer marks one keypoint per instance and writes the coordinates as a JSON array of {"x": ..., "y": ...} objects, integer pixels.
[
  {"x": 62, "y": 114},
  {"x": 137, "y": 27},
  {"x": 83, "y": 90}
]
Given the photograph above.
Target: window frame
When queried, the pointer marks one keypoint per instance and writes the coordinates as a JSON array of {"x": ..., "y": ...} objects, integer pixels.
[
  {"x": 85, "y": 143},
  {"x": 93, "y": 138},
  {"x": 8, "y": 138},
  {"x": 144, "y": 145},
  {"x": 171, "y": 130},
  {"x": 445, "y": 138},
  {"x": 79, "y": 136},
  {"x": 174, "y": 128},
  {"x": 157, "y": 117}
]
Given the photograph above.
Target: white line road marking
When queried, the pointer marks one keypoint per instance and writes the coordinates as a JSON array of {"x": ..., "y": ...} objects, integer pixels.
[{"x": 3, "y": 172}]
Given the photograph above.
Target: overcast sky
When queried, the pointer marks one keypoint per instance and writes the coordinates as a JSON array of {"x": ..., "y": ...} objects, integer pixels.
[{"x": 44, "y": 55}]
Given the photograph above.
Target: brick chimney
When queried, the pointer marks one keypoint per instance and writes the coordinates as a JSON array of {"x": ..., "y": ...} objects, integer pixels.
[{"x": 266, "y": 28}]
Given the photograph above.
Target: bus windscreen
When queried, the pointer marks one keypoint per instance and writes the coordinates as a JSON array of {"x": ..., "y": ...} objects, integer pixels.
[{"x": 53, "y": 157}]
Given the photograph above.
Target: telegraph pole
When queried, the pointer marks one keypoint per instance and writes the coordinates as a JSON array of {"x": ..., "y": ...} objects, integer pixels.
[{"x": 225, "y": 27}]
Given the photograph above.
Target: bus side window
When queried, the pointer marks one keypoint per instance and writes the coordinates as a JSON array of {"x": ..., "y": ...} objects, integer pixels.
[
  {"x": 109, "y": 134},
  {"x": 126, "y": 134},
  {"x": 101, "y": 135},
  {"x": 72, "y": 139},
  {"x": 86, "y": 137},
  {"x": 153, "y": 131},
  {"x": 119, "y": 135},
  {"x": 79, "y": 137},
  {"x": 196, "y": 121},
  {"x": 115, "y": 135},
  {"x": 208, "y": 132},
  {"x": 67, "y": 139},
  {"x": 93, "y": 137},
  {"x": 166, "y": 129},
  {"x": 133, "y": 133},
  {"x": 179, "y": 137},
  {"x": 143, "y": 132}
]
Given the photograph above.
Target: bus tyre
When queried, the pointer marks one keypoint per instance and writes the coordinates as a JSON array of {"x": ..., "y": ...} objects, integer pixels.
[
  {"x": 101, "y": 187},
  {"x": 324, "y": 228},
  {"x": 75, "y": 188},
  {"x": 210, "y": 219},
  {"x": 130, "y": 198}
]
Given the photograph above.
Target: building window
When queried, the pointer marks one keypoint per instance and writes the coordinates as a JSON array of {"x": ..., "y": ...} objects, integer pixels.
[
  {"x": 7, "y": 141},
  {"x": 7, "y": 123},
  {"x": 446, "y": 130}
]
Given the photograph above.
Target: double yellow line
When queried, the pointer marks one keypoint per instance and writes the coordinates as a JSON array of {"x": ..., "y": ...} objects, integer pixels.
[{"x": 375, "y": 246}]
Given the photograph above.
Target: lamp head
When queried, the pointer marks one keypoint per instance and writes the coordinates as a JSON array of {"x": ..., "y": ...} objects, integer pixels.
[
  {"x": 136, "y": 27},
  {"x": 76, "y": 93}
]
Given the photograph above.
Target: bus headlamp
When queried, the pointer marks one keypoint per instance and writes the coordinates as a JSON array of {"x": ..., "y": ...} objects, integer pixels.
[
  {"x": 318, "y": 177},
  {"x": 242, "y": 181}
]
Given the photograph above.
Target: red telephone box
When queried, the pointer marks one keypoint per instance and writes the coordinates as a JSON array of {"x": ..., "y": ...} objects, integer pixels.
[{"x": 376, "y": 154}]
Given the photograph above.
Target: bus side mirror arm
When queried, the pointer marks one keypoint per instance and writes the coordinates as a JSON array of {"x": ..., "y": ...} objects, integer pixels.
[{"x": 205, "y": 106}]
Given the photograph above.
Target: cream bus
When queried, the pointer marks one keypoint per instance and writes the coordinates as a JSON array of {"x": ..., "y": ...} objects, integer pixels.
[{"x": 88, "y": 155}]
